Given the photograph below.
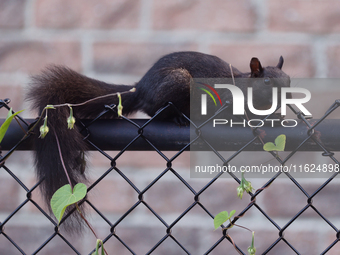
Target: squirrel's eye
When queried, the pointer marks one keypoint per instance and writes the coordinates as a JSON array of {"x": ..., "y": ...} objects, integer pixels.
[{"x": 267, "y": 81}]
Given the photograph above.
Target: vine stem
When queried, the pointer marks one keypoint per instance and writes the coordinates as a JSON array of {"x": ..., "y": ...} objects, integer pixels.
[
  {"x": 62, "y": 160},
  {"x": 233, "y": 224},
  {"x": 93, "y": 99},
  {"x": 61, "y": 156},
  {"x": 242, "y": 227},
  {"x": 232, "y": 241},
  {"x": 60, "y": 105},
  {"x": 245, "y": 113},
  {"x": 26, "y": 135},
  {"x": 67, "y": 104},
  {"x": 89, "y": 225},
  {"x": 69, "y": 181},
  {"x": 59, "y": 148}
]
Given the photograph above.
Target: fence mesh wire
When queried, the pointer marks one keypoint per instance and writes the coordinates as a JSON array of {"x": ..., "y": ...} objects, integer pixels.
[{"x": 171, "y": 231}]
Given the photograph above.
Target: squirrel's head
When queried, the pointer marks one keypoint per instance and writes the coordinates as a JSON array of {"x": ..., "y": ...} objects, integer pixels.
[{"x": 263, "y": 79}]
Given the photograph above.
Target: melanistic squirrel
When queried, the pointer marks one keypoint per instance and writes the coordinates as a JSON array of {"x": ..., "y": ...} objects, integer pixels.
[{"x": 168, "y": 80}]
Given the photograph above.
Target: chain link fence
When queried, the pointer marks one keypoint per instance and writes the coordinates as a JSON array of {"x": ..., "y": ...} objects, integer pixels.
[{"x": 168, "y": 143}]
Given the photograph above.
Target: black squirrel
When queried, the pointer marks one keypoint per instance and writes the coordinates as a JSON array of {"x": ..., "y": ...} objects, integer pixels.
[{"x": 168, "y": 80}]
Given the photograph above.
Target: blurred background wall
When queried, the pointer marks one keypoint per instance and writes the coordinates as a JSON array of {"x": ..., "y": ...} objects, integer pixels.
[{"x": 117, "y": 41}]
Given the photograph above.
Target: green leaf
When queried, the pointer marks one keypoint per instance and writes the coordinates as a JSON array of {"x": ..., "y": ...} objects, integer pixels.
[
  {"x": 269, "y": 146},
  {"x": 5, "y": 125},
  {"x": 280, "y": 144},
  {"x": 222, "y": 217},
  {"x": 64, "y": 197}
]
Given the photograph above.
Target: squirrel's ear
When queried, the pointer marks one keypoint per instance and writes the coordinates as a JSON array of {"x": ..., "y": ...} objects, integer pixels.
[
  {"x": 280, "y": 64},
  {"x": 255, "y": 67}
]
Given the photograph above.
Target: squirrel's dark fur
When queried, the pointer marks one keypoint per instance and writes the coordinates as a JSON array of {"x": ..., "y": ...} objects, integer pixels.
[{"x": 168, "y": 80}]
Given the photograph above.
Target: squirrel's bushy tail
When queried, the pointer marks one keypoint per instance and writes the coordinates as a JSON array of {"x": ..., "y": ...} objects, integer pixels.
[
  {"x": 48, "y": 160},
  {"x": 59, "y": 85}
]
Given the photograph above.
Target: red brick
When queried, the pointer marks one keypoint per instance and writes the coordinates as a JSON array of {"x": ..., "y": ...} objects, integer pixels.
[
  {"x": 140, "y": 159},
  {"x": 174, "y": 197},
  {"x": 333, "y": 54},
  {"x": 13, "y": 92},
  {"x": 283, "y": 200},
  {"x": 305, "y": 242},
  {"x": 12, "y": 13},
  {"x": 317, "y": 16},
  {"x": 137, "y": 159},
  {"x": 9, "y": 190},
  {"x": 36, "y": 197},
  {"x": 298, "y": 58},
  {"x": 142, "y": 238},
  {"x": 139, "y": 239},
  {"x": 21, "y": 158},
  {"x": 87, "y": 14},
  {"x": 286, "y": 200},
  {"x": 222, "y": 196},
  {"x": 169, "y": 197},
  {"x": 216, "y": 15},
  {"x": 32, "y": 56},
  {"x": 331, "y": 237},
  {"x": 189, "y": 237},
  {"x": 115, "y": 196},
  {"x": 130, "y": 58},
  {"x": 327, "y": 200},
  {"x": 30, "y": 238}
]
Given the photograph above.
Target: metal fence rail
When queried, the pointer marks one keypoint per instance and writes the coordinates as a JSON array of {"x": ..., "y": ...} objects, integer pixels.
[{"x": 318, "y": 135}]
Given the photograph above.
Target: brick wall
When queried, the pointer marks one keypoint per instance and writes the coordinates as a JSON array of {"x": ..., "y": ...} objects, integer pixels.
[{"x": 117, "y": 41}]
